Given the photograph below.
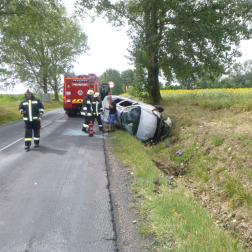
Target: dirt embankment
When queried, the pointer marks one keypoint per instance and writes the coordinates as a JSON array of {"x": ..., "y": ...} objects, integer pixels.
[{"x": 215, "y": 164}]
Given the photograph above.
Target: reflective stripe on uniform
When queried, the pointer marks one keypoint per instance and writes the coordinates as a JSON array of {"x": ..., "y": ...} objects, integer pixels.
[
  {"x": 21, "y": 110},
  {"x": 89, "y": 114},
  {"x": 25, "y": 118},
  {"x": 82, "y": 113},
  {"x": 93, "y": 102},
  {"x": 34, "y": 102},
  {"x": 100, "y": 125},
  {"x": 30, "y": 110},
  {"x": 35, "y": 117},
  {"x": 97, "y": 103},
  {"x": 25, "y": 103},
  {"x": 36, "y": 138},
  {"x": 85, "y": 125},
  {"x": 27, "y": 139},
  {"x": 88, "y": 102},
  {"x": 42, "y": 110},
  {"x": 85, "y": 108}
]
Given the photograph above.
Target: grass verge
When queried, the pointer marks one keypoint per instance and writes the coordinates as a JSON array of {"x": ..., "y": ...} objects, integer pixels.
[{"x": 174, "y": 218}]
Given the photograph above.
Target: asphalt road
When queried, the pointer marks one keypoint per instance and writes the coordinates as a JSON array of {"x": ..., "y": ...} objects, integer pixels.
[{"x": 55, "y": 197}]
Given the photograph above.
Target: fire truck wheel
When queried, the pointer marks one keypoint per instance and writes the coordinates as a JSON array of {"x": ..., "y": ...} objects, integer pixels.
[{"x": 71, "y": 113}]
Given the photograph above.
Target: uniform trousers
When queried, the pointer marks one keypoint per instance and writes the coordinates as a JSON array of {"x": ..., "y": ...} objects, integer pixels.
[
  {"x": 29, "y": 126},
  {"x": 87, "y": 120},
  {"x": 98, "y": 118}
]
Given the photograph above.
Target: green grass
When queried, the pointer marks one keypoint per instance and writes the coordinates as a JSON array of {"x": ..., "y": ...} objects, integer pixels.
[
  {"x": 218, "y": 140},
  {"x": 11, "y": 98},
  {"x": 245, "y": 140},
  {"x": 177, "y": 222},
  {"x": 215, "y": 137},
  {"x": 236, "y": 104},
  {"x": 9, "y": 105},
  {"x": 235, "y": 191}
]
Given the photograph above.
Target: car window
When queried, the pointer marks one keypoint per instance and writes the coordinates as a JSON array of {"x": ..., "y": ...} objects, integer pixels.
[
  {"x": 130, "y": 119},
  {"x": 125, "y": 103},
  {"x": 117, "y": 100}
]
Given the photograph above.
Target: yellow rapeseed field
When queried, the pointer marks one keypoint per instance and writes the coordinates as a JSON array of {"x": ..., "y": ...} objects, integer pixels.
[{"x": 209, "y": 93}]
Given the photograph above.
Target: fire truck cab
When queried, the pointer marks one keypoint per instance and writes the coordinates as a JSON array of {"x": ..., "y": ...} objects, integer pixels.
[{"x": 76, "y": 87}]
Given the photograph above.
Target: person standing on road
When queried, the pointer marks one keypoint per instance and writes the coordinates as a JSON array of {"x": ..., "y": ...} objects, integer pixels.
[
  {"x": 112, "y": 114},
  {"x": 86, "y": 110},
  {"x": 97, "y": 109},
  {"x": 32, "y": 110}
]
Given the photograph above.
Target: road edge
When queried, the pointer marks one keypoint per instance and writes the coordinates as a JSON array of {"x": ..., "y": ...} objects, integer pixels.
[{"x": 127, "y": 236}]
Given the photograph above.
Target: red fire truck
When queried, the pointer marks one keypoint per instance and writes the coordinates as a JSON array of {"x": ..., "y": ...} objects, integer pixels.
[{"x": 76, "y": 87}]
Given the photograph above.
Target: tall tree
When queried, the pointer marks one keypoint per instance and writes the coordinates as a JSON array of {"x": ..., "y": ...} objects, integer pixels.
[
  {"x": 22, "y": 8},
  {"x": 178, "y": 38},
  {"x": 129, "y": 77},
  {"x": 38, "y": 49},
  {"x": 115, "y": 76}
]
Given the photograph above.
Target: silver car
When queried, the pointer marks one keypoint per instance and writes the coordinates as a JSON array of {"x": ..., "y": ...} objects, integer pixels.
[{"x": 139, "y": 119}]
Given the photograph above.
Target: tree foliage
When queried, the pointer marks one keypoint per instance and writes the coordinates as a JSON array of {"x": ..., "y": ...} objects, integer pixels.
[
  {"x": 23, "y": 8},
  {"x": 239, "y": 76},
  {"x": 179, "y": 38},
  {"x": 115, "y": 76},
  {"x": 38, "y": 49},
  {"x": 129, "y": 77}
]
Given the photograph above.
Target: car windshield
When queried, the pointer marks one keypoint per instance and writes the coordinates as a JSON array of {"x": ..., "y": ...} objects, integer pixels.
[{"x": 130, "y": 119}]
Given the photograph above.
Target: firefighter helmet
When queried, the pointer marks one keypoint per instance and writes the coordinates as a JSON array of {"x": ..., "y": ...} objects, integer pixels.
[
  {"x": 96, "y": 94},
  {"x": 29, "y": 91},
  {"x": 90, "y": 92}
]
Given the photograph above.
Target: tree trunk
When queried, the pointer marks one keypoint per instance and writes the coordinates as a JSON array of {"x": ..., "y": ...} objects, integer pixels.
[
  {"x": 151, "y": 42},
  {"x": 154, "y": 79},
  {"x": 55, "y": 89},
  {"x": 45, "y": 85},
  {"x": 56, "y": 95}
]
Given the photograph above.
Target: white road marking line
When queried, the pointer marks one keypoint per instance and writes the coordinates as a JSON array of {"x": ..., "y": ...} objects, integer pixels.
[
  {"x": 11, "y": 144},
  {"x": 59, "y": 117},
  {"x": 23, "y": 138},
  {"x": 46, "y": 124},
  {"x": 20, "y": 139}
]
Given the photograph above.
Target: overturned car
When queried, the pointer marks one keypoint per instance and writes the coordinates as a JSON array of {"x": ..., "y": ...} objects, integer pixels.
[{"x": 139, "y": 119}]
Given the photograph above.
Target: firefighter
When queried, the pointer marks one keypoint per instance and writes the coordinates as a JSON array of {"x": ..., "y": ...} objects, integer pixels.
[
  {"x": 87, "y": 109},
  {"x": 32, "y": 110},
  {"x": 97, "y": 109}
]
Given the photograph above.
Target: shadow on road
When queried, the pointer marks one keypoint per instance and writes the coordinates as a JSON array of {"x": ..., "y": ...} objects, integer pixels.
[{"x": 46, "y": 150}]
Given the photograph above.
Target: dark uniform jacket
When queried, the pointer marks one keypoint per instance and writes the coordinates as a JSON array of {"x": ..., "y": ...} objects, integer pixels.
[
  {"x": 97, "y": 107},
  {"x": 33, "y": 107},
  {"x": 87, "y": 106}
]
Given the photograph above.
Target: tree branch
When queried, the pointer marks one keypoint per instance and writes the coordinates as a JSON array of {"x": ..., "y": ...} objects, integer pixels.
[{"x": 123, "y": 14}]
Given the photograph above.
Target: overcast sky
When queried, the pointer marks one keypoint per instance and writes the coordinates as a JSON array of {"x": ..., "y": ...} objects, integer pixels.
[{"x": 108, "y": 47}]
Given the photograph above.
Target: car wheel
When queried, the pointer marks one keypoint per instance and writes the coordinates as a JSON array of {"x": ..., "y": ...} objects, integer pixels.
[{"x": 159, "y": 108}]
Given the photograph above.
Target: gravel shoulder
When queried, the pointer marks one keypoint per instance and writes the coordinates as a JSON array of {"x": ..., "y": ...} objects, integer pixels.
[{"x": 128, "y": 236}]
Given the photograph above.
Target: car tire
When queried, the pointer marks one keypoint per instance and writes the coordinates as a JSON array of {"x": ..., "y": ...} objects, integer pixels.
[{"x": 160, "y": 108}]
